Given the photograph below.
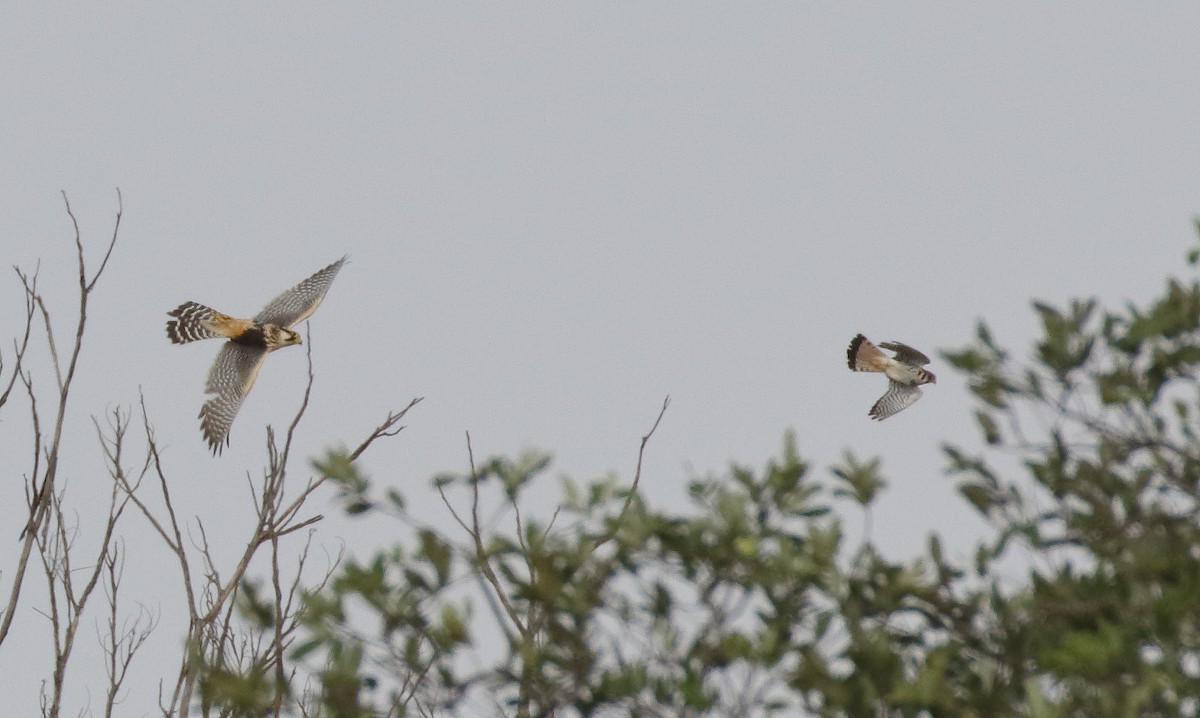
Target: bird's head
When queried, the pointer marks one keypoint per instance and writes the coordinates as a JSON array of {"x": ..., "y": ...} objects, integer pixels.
[
  {"x": 930, "y": 378},
  {"x": 277, "y": 337}
]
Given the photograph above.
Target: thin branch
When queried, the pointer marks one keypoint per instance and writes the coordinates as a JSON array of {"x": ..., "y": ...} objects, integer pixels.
[
  {"x": 278, "y": 635},
  {"x": 38, "y": 511},
  {"x": 56, "y": 549},
  {"x": 112, "y": 243},
  {"x": 387, "y": 428},
  {"x": 476, "y": 535},
  {"x": 26, "y": 533},
  {"x": 20, "y": 349},
  {"x": 41, "y": 496},
  {"x": 637, "y": 477},
  {"x": 120, "y": 647},
  {"x": 453, "y": 513},
  {"x": 279, "y": 466}
]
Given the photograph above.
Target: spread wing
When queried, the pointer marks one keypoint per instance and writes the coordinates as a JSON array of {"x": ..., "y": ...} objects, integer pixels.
[
  {"x": 905, "y": 353},
  {"x": 230, "y": 378},
  {"x": 298, "y": 303},
  {"x": 898, "y": 398}
]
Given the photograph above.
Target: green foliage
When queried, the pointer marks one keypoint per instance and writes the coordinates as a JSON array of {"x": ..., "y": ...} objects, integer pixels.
[
  {"x": 741, "y": 605},
  {"x": 1110, "y": 617},
  {"x": 352, "y": 486},
  {"x": 242, "y": 693},
  {"x": 862, "y": 479},
  {"x": 749, "y": 602}
]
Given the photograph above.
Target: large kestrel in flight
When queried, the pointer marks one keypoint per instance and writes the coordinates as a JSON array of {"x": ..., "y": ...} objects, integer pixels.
[
  {"x": 904, "y": 372},
  {"x": 250, "y": 341}
]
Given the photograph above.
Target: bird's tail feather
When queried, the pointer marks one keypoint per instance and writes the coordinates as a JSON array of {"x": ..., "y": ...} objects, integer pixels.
[
  {"x": 192, "y": 322},
  {"x": 862, "y": 355}
]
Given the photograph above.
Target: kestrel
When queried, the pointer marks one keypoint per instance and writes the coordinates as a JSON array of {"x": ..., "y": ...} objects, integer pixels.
[
  {"x": 250, "y": 341},
  {"x": 904, "y": 372}
]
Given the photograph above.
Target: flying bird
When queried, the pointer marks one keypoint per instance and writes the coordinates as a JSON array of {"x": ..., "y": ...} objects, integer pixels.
[
  {"x": 904, "y": 372},
  {"x": 250, "y": 341}
]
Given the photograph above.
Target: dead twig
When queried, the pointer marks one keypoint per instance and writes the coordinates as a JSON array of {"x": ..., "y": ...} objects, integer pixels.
[{"x": 637, "y": 477}]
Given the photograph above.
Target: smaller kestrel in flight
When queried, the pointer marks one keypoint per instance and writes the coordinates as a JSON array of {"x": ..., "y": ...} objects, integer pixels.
[
  {"x": 250, "y": 341},
  {"x": 904, "y": 372}
]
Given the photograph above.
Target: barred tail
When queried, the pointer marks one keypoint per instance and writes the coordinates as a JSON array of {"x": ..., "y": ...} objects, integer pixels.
[
  {"x": 193, "y": 322},
  {"x": 862, "y": 355}
]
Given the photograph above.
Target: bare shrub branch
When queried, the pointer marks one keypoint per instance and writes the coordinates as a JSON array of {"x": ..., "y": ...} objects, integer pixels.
[
  {"x": 219, "y": 642},
  {"x": 41, "y": 480}
]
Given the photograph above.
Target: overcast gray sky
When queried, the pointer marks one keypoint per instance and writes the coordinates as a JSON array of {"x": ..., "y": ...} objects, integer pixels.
[{"x": 557, "y": 214}]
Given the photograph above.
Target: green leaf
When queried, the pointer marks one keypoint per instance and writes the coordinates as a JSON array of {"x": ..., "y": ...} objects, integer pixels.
[{"x": 987, "y": 425}]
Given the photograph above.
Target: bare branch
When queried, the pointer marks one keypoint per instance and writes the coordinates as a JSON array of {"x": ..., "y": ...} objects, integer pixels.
[
  {"x": 279, "y": 463},
  {"x": 64, "y": 381},
  {"x": 56, "y": 548},
  {"x": 120, "y": 645},
  {"x": 387, "y": 428},
  {"x": 19, "y": 349},
  {"x": 27, "y": 533},
  {"x": 481, "y": 556},
  {"x": 112, "y": 243},
  {"x": 277, "y": 638},
  {"x": 41, "y": 481},
  {"x": 637, "y": 477},
  {"x": 214, "y": 637}
]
